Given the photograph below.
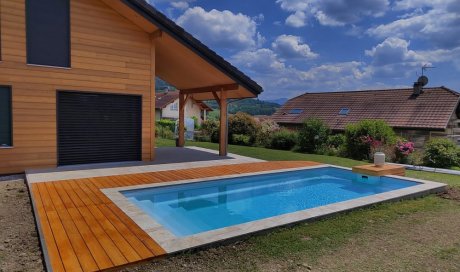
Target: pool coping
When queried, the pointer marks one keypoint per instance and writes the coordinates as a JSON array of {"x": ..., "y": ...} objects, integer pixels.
[{"x": 171, "y": 243}]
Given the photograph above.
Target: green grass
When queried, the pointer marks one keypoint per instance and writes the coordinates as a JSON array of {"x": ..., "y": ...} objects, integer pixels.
[{"x": 280, "y": 155}]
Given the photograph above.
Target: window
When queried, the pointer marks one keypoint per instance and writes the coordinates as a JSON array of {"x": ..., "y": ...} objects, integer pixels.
[
  {"x": 344, "y": 111},
  {"x": 5, "y": 117},
  {"x": 173, "y": 107},
  {"x": 48, "y": 32},
  {"x": 295, "y": 111}
]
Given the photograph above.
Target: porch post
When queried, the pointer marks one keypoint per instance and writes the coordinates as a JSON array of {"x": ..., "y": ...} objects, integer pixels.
[
  {"x": 181, "y": 119},
  {"x": 223, "y": 139}
]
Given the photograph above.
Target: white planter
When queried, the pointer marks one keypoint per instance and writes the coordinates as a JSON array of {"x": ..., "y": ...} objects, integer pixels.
[{"x": 379, "y": 159}]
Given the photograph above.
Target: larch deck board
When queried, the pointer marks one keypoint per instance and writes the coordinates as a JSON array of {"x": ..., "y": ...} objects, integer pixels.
[{"x": 83, "y": 230}]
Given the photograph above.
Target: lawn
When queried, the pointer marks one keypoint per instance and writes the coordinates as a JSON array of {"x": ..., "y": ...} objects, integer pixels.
[
  {"x": 412, "y": 235},
  {"x": 279, "y": 155}
]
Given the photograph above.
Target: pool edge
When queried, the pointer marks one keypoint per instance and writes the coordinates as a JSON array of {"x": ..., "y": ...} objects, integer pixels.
[{"x": 172, "y": 244}]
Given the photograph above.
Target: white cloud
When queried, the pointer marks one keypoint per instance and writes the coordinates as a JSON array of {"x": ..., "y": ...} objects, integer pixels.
[
  {"x": 332, "y": 12},
  {"x": 282, "y": 80},
  {"x": 393, "y": 51},
  {"x": 177, "y": 4},
  {"x": 439, "y": 24},
  {"x": 180, "y": 5},
  {"x": 292, "y": 47},
  {"x": 221, "y": 29},
  {"x": 298, "y": 19},
  {"x": 293, "y": 5}
]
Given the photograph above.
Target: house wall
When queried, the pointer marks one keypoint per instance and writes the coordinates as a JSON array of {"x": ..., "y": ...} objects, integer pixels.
[
  {"x": 109, "y": 54},
  {"x": 191, "y": 109}
]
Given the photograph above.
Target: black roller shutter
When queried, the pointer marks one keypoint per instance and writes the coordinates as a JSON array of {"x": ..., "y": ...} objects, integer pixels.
[{"x": 97, "y": 128}]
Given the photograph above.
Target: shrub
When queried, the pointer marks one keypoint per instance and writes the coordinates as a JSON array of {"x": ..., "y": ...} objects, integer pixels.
[
  {"x": 210, "y": 128},
  {"x": 166, "y": 123},
  {"x": 242, "y": 123},
  {"x": 336, "y": 140},
  {"x": 265, "y": 130},
  {"x": 415, "y": 158},
  {"x": 164, "y": 132},
  {"x": 362, "y": 136},
  {"x": 283, "y": 139},
  {"x": 403, "y": 149},
  {"x": 240, "y": 139},
  {"x": 441, "y": 152},
  {"x": 313, "y": 134}
]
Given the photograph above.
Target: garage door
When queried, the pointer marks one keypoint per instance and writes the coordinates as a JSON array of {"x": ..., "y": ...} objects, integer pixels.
[{"x": 97, "y": 128}]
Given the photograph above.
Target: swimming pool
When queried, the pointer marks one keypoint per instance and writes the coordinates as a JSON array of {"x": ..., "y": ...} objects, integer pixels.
[
  {"x": 183, "y": 214},
  {"x": 189, "y": 209}
]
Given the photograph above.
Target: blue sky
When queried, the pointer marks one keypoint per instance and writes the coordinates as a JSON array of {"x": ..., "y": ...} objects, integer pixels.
[{"x": 296, "y": 46}]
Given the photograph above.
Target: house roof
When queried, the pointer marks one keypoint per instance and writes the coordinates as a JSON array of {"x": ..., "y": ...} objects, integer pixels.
[
  {"x": 166, "y": 25},
  {"x": 399, "y": 107},
  {"x": 163, "y": 99}
]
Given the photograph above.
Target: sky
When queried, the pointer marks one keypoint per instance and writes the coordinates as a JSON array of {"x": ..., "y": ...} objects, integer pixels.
[{"x": 291, "y": 47}]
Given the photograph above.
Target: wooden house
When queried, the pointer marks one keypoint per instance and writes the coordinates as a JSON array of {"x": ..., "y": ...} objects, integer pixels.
[{"x": 77, "y": 80}]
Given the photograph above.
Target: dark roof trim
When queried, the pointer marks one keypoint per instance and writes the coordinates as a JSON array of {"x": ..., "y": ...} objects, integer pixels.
[
  {"x": 376, "y": 90},
  {"x": 165, "y": 24}
]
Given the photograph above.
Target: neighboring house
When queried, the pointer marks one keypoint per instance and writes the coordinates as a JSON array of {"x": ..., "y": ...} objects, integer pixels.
[
  {"x": 418, "y": 117},
  {"x": 77, "y": 80},
  {"x": 167, "y": 107}
]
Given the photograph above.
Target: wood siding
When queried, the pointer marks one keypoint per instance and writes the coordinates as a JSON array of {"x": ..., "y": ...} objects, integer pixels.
[{"x": 109, "y": 54}]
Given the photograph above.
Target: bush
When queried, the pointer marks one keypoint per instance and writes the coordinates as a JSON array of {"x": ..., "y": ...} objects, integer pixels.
[
  {"x": 240, "y": 139},
  {"x": 283, "y": 139},
  {"x": 441, "y": 152},
  {"x": 336, "y": 140},
  {"x": 415, "y": 158},
  {"x": 361, "y": 136},
  {"x": 265, "y": 130},
  {"x": 403, "y": 149},
  {"x": 313, "y": 134},
  {"x": 164, "y": 132},
  {"x": 166, "y": 123},
  {"x": 210, "y": 128},
  {"x": 243, "y": 124}
]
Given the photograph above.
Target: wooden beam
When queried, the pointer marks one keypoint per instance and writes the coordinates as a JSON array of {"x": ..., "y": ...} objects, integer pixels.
[
  {"x": 156, "y": 34},
  {"x": 181, "y": 119},
  {"x": 216, "y": 97},
  {"x": 152, "y": 97},
  {"x": 217, "y": 88},
  {"x": 223, "y": 141},
  {"x": 186, "y": 99}
]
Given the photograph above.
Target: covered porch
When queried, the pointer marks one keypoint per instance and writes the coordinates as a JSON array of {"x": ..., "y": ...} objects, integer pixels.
[{"x": 184, "y": 62}]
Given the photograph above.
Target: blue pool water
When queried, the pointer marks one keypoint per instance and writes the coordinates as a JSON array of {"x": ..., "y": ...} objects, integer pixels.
[{"x": 198, "y": 207}]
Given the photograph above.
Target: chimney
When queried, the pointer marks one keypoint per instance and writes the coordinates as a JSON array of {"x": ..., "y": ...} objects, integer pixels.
[
  {"x": 417, "y": 88},
  {"x": 419, "y": 84}
]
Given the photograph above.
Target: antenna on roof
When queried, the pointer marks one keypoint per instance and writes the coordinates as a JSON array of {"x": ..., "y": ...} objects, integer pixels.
[
  {"x": 422, "y": 81},
  {"x": 426, "y": 67}
]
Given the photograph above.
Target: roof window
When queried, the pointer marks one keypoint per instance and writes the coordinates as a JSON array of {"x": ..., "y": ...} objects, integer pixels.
[
  {"x": 295, "y": 111},
  {"x": 344, "y": 111}
]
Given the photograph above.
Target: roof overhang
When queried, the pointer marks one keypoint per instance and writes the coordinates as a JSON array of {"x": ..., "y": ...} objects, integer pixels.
[{"x": 182, "y": 60}]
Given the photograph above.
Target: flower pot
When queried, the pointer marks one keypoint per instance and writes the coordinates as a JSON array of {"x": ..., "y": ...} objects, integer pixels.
[{"x": 379, "y": 159}]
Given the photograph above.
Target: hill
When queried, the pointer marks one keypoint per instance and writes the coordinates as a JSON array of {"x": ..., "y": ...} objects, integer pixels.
[{"x": 249, "y": 106}]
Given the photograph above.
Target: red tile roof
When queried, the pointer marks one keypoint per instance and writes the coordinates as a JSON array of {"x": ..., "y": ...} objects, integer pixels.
[
  {"x": 163, "y": 99},
  {"x": 399, "y": 107}
]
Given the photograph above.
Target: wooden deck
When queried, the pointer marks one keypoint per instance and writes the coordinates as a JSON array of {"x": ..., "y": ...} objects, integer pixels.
[{"x": 83, "y": 230}]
